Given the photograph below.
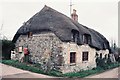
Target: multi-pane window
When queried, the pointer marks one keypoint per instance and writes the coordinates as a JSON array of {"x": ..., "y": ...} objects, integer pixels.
[
  {"x": 75, "y": 35},
  {"x": 72, "y": 57},
  {"x": 29, "y": 34},
  {"x": 85, "y": 56},
  {"x": 101, "y": 55},
  {"x": 104, "y": 46},
  {"x": 86, "y": 38}
]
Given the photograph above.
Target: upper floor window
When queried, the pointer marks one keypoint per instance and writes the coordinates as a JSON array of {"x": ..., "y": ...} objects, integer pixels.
[
  {"x": 104, "y": 46},
  {"x": 75, "y": 35},
  {"x": 101, "y": 55},
  {"x": 29, "y": 34},
  {"x": 86, "y": 38}
]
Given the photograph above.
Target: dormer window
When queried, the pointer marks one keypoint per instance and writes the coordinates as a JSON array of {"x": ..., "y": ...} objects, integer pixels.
[
  {"x": 30, "y": 34},
  {"x": 86, "y": 38},
  {"x": 104, "y": 46},
  {"x": 75, "y": 35},
  {"x": 101, "y": 56}
]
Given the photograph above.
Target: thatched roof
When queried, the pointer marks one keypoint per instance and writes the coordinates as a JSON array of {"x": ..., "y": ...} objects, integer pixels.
[{"x": 49, "y": 19}]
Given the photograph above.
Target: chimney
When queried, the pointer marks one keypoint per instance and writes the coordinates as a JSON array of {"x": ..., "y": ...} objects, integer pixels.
[{"x": 74, "y": 16}]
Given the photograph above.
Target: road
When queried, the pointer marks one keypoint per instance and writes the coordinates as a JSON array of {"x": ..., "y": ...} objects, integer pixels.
[
  {"x": 114, "y": 73},
  {"x": 12, "y": 72}
]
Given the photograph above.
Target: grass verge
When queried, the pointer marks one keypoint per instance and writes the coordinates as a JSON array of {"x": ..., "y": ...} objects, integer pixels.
[{"x": 97, "y": 70}]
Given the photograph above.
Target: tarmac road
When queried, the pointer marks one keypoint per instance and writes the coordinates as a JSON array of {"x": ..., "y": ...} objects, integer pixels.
[
  {"x": 114, "y": 73},
  {"x": 12, "y": 72}
]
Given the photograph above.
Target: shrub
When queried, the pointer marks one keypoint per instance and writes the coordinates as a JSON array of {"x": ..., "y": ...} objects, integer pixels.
[
  {"x": 101, "y": 63},
  {"x": 55, "y": 73},
  {"x": 104, "y": 63},
  {"x": 82, "y": 74}
]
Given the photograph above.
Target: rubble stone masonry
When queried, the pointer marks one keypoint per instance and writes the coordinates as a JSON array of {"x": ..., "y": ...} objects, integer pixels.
[{"x": 47, "y": 47}]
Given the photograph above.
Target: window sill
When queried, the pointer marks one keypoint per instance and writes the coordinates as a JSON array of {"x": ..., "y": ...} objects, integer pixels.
[
  {"x": 72, "y": 64},
  {"x": 30, "y": 36},
  {"x": 84, "y": 61}
]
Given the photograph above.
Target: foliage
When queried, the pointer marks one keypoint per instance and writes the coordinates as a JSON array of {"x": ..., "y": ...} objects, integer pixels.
[
  {"x": 118, "y": 50},
  {"x": 55, "y": 73},
  {"x": 117, "y": 54},
  {"x": 85, "y": 73},
  {"x": 82, "y": 74},
  {"x": 104, "y": 63},
  {"x": 7, "y": 46}
]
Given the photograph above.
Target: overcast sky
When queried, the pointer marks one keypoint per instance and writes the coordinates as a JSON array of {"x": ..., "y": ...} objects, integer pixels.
[{"x": 100, "y": 15}]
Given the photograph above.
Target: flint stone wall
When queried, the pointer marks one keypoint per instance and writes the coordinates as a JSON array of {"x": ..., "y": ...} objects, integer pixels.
[
  {"x": 48, "y": 48},
  {"x": 40, "y": 46}
]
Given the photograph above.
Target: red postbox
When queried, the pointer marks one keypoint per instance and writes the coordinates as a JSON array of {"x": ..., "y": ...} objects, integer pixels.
[{"x": 25, "y": 51}]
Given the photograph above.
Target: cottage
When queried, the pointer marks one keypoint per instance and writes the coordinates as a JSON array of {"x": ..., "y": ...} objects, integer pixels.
[{"x": 52, "y": 37}]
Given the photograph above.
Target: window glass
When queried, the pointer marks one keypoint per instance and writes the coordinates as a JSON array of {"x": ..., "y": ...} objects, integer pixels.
[
  {"x": 75, "y": 35},
  {"x": 85, "y": 56},
  {"x": 29, "y": 34},
  {"x": 86, "y": 39},
  {"x": 72, "y": 57}
]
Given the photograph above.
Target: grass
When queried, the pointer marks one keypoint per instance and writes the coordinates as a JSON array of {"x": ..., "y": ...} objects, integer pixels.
[
  {"x": 36, "y": 68},
  {"x": 85, "y": 73},
  {"x": 31, "y": 67},
  {"x": 23, "y": 66},
  {"x": 97, "y": 70}
]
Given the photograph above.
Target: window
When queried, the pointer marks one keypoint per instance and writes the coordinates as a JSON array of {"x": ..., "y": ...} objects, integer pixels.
[
  {"x": 75, "y": 35},
  {"x": 86, "y": 38},
  {"x": 72, "y": 57},
  {"x": 97, "y": 55},
  {"x": 20, "y": 49},
  {"x": 29, "y": 34},
  {"x": 101, "y": 55},
  {"x": 104, "y": 46},
  {"x": 85, "y": 56}
]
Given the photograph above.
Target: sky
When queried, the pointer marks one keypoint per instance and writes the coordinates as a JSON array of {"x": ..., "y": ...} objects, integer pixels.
[{"x": 100, "y": 15}]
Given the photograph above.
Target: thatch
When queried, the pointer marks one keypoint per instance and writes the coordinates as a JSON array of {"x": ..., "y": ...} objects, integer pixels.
[{"x": 49, "y": 19}]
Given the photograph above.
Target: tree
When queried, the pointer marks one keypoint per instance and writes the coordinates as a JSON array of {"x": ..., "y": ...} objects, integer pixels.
[{"x": 7, "y": 46}]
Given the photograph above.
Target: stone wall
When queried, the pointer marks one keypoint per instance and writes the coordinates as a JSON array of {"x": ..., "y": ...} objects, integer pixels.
[
  {"x": 47, "y": 47},
  {"x": 103, "y": 52},
  {"x": 79, "y": 65},
  {"x": 41, "y": 47}
]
